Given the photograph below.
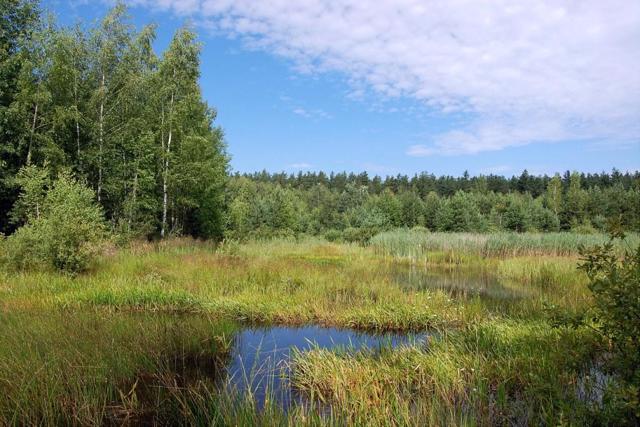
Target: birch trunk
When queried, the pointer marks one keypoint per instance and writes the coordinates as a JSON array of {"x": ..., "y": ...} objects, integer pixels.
[
  {"x": 77, "y": 112},
  {"x": 33, "y": 131},
  {"x": 101, "y": 138},
  {"x": 165, "y": 175}
]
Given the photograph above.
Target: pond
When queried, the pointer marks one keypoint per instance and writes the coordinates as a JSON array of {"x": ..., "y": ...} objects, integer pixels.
[
  {"x": 260, "y": 356},
  {"x": 138, "y": 367},
  {"x": 458, "y": 282}
]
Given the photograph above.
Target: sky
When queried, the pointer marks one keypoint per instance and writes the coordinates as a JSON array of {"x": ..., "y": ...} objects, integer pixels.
[{"x": 406, "y": 86}]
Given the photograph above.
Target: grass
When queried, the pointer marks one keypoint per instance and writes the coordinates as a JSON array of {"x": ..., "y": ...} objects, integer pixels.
[
  {"x": 494, "y": 359},
  {"x": 496, "y": 373},
  {"x": 423, "y": 244},
  {"x": 294, "y": 283}
]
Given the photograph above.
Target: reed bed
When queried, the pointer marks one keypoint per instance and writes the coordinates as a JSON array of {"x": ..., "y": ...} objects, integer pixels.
[{"x": 417, "y": 244}]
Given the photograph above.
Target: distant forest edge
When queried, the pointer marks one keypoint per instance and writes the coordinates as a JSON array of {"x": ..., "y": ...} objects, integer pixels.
[
  {"x": 93, "y": 116},
  {"x": 354, "y": 207}
]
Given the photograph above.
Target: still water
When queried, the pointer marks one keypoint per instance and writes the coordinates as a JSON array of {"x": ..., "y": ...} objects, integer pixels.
[
  {"x": 459, "y": 282},
  {"x": 260, "y": 356}
]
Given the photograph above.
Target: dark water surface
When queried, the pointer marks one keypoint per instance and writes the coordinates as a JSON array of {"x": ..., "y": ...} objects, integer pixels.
[{"x": 260, "y": 361}]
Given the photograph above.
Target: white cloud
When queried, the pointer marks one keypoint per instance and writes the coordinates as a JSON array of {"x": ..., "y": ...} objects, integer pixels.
[{"x": 524, "y": 72}]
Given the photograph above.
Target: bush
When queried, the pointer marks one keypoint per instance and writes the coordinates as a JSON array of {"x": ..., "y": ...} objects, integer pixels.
[
  {"x": 333, "y": 235},
  {"x": 360, "y": 235},
  {"x": 615, "y": 284},
  {"x": 583, "y": 227},
  {"x": 65, "y": 234}
]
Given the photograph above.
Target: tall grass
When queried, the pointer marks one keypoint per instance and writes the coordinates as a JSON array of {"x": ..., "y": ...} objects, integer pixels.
[
  {"x": 416, "y": 244},
  {"x": 86, "y": 349},
  {"x": 491, "y": 374}
]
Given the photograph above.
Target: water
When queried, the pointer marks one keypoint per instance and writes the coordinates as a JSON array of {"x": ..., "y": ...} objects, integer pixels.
[
  {"x": 458, "y": 282},
  {"x": 260, "y": 356},
  {"x": 139, "y": 365}
]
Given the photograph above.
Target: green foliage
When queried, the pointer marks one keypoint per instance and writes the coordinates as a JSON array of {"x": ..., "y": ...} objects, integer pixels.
[
  {"x": 100, "y": 103},
  {"x": 614, "y": 280},
  {"x": 460, "y": 213},
  {"x": 516, "y": 216},
  {"x": 64, "y": 233},
  {"x": 34, "y": 183}
]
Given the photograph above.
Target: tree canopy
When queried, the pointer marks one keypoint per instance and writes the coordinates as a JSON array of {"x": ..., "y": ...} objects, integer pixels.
[{"x": 125, "y": 121}]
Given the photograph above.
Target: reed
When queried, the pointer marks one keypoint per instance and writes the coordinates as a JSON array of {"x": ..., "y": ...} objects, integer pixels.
[{"x": 418, "y": 244}]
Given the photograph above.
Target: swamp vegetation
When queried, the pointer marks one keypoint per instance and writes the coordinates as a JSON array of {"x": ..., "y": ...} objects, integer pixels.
[{"x": 153, "y": 331}]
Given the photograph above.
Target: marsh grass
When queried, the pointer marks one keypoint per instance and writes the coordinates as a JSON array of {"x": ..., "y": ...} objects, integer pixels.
[
  {"x": 497, "y": 359},
  {"x": 490, "y": 374},
  {"x": 460, "y": 246},
  {"x": 93, "y": 367}
]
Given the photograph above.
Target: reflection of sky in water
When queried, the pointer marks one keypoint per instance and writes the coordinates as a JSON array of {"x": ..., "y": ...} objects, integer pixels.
[{"x": 260, "y": 356}]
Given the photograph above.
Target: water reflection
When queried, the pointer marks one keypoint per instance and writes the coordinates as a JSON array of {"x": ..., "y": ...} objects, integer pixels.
[
  {"x": 260, "y": 356},
  {"x": 458, "y": 282}
]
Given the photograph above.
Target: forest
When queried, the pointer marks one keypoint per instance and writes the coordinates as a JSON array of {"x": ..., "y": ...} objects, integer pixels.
[
  {"x": 131, "y": 125},
  {"x": 144, "y": 282},
  {"x": 355, "y": 207},
  {"x": 98, "y": 103}
]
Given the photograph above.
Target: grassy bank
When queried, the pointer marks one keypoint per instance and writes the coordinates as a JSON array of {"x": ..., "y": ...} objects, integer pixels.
[{"x": 296, "y": 283}]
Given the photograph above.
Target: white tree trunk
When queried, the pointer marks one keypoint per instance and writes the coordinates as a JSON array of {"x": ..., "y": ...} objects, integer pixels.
[
  {"x": 165, "y": 175},
  {"x": 33, "y": 131},
  {"x": 101, "y": 138},
  {"x": 77, "y": 113}
]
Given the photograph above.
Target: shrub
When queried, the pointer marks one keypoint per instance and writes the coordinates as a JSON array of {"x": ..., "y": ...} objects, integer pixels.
[
  {"x": 333, "y": 235},
  {"x": 615, "y": 284},
  {"x": 65, "y": 234},
  {"x": 360, "y": 235},
  {"x": 583, "y": 227}
]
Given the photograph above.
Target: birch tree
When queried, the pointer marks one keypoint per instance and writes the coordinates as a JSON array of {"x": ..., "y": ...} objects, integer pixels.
[
  {"x": 179, "y": 74},
  {"x": 108, "y": 42}
]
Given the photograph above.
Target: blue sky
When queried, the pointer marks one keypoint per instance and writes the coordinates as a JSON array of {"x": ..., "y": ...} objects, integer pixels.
[{"x": 411, "y": 86}]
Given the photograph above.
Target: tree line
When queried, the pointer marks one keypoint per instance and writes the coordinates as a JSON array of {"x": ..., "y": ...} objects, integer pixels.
[
  {"x": 98, "y": 105},
  {"x": 444, "y": 185},
  {"x": 355, "y": 207},
  {"x": 96, "y": 108}
]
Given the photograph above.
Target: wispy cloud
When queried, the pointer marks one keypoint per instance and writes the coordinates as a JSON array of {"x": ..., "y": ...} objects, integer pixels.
[
  {"x": 522, "y": 72},
  {"x": 308, "y": 113},
  {"x": 311, "y": 114},
  {"x": 493, "y": 135}
]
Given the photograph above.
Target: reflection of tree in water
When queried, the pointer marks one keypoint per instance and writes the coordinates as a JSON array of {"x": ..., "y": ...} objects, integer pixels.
[
  {"x": 182, "y": 375},
  {"x": 457, "y": 282}
]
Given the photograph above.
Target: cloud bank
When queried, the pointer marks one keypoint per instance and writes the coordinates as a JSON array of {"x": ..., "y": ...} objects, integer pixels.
[{"x": 518, "y": 72}]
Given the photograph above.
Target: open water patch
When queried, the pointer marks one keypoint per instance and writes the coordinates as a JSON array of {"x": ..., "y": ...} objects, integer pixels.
[{"x": 260, "y": 357}]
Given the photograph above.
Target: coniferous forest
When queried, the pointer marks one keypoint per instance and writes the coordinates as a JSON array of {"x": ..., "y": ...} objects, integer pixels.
[{"x": 144, "y": 282}]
